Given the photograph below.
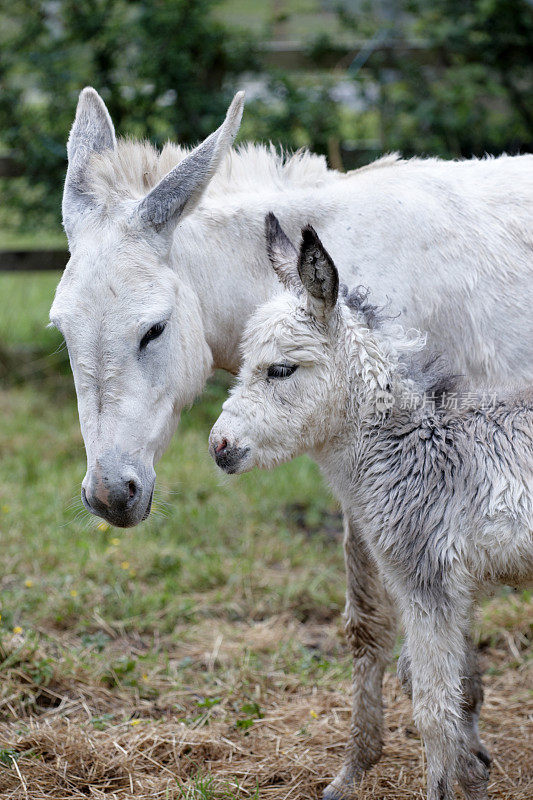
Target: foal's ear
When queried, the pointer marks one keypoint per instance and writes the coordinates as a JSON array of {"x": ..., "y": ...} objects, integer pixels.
[
  {"x": 317, "y": 272},
  {"x": 282, "y": 253},
  {"x": 92, "y": 132},
  {"x": 181, "y": 189}
]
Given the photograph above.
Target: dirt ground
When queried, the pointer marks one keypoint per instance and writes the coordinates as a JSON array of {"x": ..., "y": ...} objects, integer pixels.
[{"x": 287, "y": 750}]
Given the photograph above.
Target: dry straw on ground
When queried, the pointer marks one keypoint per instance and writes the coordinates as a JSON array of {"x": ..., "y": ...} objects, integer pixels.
[{"x": 287, "y": 754}]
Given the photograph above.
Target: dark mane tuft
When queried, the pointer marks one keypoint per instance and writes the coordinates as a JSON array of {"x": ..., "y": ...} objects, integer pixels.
[
  {"x": 432, "y": 376},
  {"x": 357, "y": 300}
]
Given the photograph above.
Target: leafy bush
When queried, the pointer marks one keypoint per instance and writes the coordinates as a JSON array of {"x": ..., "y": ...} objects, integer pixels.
[
  {"x": 167, "y": 69},
  {"x": 164, "y": 68},
  {"x": 472, "y": 91}
]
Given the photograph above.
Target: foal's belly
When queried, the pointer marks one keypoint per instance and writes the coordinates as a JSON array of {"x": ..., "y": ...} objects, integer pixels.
[{"x": 503, "y": 553}]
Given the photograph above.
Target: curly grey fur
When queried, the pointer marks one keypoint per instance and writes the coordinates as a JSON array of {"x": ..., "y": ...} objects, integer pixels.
[
  {"x": 431, "y": 495},
  {"x": 429, "y": 372},
  {"x": 357, "y": 300},
  {"x": 443, "y": 499}
]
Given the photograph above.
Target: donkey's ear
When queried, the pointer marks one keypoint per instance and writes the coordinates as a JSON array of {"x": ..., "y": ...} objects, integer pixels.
[
  {"x": 317, "y": 271},
  {"x": 282, "y": 253},
  {"x": 92, "y": 132},
  {"x": 180, "y": 190}
]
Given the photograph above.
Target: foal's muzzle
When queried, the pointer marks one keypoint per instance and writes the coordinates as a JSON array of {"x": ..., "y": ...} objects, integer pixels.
[{"x": 228, "y": 457}]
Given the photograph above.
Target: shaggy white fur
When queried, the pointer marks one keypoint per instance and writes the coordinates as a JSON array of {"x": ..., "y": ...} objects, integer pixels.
[{"x": 133, "y": 168}]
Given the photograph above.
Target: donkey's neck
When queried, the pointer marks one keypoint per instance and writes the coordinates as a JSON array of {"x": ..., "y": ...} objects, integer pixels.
[{"x": 222, "y": 255}]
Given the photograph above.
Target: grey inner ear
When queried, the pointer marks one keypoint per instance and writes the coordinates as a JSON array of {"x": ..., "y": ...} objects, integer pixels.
[
  {"x": 281, "y": 253},
  {"x": 181, "y": 185},
  {"x": 316, "y": 269},
  {"x": 184, "y": 185}
]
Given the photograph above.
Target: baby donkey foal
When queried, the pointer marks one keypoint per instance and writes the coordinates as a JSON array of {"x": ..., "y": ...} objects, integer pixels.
[{"x": 443, "y": 497}]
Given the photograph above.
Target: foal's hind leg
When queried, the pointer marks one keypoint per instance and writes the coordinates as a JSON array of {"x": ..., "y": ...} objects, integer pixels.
[
  {"x": 370, "y": 628},
  {"x": 472, "y": 689},
  {"x": 473, "y": 700}
]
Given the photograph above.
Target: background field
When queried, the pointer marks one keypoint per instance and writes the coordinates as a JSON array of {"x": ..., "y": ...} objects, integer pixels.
[{"x": 201, "y": 654}]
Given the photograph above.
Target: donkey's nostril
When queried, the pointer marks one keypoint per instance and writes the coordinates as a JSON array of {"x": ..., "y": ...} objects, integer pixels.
[
  {"x": 222, "y": 446},
  {"x": 134, "y": 492}
]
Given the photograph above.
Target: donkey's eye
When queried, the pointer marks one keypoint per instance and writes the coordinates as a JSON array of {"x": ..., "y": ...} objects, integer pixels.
[
  {"x": 155, "y": 331},
  {"x": 281, "y": 370}
]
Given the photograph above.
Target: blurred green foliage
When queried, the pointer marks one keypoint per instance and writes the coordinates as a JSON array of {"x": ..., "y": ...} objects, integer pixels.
[
  {"x": 471, "y": 94},
  {"x": 297, "y": 111},
  {"x": 164, "y": 68}
]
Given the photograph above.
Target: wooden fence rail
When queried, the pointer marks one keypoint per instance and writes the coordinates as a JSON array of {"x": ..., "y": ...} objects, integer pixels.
[{"x": 32, "y": 260}]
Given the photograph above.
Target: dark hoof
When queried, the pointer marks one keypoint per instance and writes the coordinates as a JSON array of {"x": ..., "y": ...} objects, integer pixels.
[
  {"x": 484, "y": 757},
  {"x": 474, "y": 774}
]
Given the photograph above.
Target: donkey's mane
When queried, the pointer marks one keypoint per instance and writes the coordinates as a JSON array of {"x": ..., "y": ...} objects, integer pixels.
[{"x": 134, "y": 167}]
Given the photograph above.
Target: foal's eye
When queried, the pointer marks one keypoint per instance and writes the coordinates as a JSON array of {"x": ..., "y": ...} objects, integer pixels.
[
  {"x": 281, "y": 370},
  {"x": 155, "y": 331}
]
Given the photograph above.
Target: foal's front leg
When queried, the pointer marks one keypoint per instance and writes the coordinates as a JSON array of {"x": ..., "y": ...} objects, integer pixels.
[
  {"x": 371, "y": 629},
  {"x": 472, "y": 690},
  {"x": 437, "y": 646}
]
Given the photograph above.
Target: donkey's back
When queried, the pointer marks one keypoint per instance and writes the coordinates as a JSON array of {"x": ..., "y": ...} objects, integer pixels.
[{"x": 449, "y": 246}]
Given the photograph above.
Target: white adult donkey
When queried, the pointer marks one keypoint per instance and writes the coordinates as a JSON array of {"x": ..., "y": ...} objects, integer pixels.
[{"x": 168, "y": 261}]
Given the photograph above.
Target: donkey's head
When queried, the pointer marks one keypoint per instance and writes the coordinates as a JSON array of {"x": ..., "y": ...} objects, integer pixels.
[
  {"x": 133, "y": 330},
  {"x": 290, "y": 390}
]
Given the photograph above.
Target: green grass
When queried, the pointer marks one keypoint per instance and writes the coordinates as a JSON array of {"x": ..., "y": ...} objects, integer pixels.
[
  {"x": 38, "y": 240},
  {"x": 215, "y": 536},
  {"x": 26, "y": 301}
]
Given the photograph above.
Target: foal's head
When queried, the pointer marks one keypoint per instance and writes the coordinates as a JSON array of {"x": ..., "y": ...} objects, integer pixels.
[{"x": 309, "y": 362}]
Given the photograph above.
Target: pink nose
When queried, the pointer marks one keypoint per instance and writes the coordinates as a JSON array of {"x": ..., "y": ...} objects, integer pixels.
[
  {"x": 101, "y": 492},
  {"x": 221, "y": 446}
]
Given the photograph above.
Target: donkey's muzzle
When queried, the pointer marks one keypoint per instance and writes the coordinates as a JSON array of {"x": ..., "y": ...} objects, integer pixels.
[{"x": 118, "y": 491}]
